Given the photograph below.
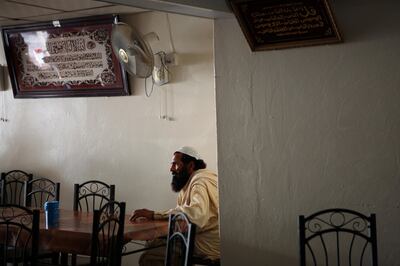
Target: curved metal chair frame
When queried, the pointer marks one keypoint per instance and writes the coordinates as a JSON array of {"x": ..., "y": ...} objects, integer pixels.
[
  {"x": 19, "y": 238},
  {"x": 40, "y": 190},
  {"x": 92, "y": 195},
  {"x": 12, "y": 189},
  {"x": 338, "y": 237},
  {"x": 107, "y": 236},
  {"x": 180, "y": 241}
]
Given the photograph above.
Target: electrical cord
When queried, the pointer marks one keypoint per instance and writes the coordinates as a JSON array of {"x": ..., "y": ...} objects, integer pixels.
[
  {"x": 148, "y": 94},
  {"x": 170, "y": 34},
  {"x": 163, "y": 67}
]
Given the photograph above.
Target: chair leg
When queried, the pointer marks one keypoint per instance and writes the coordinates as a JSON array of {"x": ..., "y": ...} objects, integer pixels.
[
  {"x": 64, "y": 259},
  {"x": 55, "y": 258},
  {"x": 73, "y": 260}
]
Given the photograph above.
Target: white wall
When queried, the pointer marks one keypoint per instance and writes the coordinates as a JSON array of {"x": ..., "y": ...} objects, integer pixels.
[
  {"x": 121, "y": 140},
  {"x": 308, "y": 128}
]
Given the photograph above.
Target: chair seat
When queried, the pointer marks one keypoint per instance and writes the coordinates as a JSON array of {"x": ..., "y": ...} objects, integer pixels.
[
  {"x": 44, "y": 255},
  {"x": 17, "y": 256},
  {"x": 85, "y": 261},
  {"x": 204, "y": 261},
  {"x": 14, "y": 254}
]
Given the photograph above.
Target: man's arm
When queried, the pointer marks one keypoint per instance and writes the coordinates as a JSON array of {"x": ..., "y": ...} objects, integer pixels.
[
  {"x": 162, "y": 215},
  {"x": 198, "y": 210},
  {"x": 142, "y": 213},
  {"x": 146, "y": 214}
]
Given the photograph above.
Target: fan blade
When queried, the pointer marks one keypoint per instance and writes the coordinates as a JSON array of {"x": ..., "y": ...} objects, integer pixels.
[{"x": 132, "y": 50}]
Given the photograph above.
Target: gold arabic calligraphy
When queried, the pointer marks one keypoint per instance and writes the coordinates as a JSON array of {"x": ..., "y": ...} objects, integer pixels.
[{"x": 286, "y": 19}]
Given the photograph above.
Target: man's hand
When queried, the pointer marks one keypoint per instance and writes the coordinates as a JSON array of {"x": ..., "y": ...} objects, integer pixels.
[{"x": 142, "y": 214}]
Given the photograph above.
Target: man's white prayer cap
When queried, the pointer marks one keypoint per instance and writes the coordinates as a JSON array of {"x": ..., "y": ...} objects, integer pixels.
[{"x": 189, "y": 151}]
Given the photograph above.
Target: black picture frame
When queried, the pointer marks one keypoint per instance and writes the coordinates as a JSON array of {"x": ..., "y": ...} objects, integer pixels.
[
  {"x": 66, "y": 58},
  {"x": 278, "y": 24}
]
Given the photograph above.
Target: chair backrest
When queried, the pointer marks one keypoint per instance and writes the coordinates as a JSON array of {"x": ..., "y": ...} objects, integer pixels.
[
  {"x": 12, "y": 189},
  {"x": 92, "y": 195},
  {"x": 180, "y": 241},
  {"x": 19, "y": 235},
  {"x": 338, "y": 237},
  {"x": 107, "y": 236},
  {"x": 40, "y": 190}
]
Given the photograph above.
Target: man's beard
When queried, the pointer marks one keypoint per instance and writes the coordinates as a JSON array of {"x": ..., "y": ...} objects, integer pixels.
[{"x": 179, "y": 180}]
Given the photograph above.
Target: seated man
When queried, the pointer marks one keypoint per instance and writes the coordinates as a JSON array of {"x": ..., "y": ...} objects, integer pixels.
[{"x": 197, "y": 198}]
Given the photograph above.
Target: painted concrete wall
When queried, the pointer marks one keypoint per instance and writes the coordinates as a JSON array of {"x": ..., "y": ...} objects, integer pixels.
[
  {"x": 122, "y": 140},
  {"x": 308, "y": 128}
]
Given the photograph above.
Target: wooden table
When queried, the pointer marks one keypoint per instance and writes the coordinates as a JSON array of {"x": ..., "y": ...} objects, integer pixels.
[{"x": 73, "y": 235}]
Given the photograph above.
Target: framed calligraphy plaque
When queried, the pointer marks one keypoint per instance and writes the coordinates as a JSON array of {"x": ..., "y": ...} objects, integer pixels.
[
  {"x": 68, "y": 58},
  {"x": 276, "y": 24}
]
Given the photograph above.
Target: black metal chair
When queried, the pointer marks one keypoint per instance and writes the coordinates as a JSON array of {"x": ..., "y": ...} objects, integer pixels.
[
  {"x": 37, "y": 192},
  {"x": 12, "y": 188},
  {"x": 180, "y": 240},
  {"x": 107, "y": 236},
  {"x": 40, "y": 190},
  {"x": 19, "y": 235},
  {"x": 180, "y": 243},
  {"x": 338, "y": 237},
  {"x": 92, "y": 195}
]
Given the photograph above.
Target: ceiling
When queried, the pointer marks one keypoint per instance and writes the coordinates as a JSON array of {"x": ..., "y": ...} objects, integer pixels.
[{"x": 14, "y": 12}]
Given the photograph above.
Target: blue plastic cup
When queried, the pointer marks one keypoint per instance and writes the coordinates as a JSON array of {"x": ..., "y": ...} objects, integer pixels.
[{"x": 52, "y": 212}]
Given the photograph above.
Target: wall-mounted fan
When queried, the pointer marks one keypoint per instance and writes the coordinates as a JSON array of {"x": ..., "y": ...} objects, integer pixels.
[{"x": 132, "y": 50}]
